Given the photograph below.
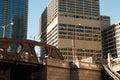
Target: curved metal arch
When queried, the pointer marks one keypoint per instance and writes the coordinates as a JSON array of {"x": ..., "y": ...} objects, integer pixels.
[{"x": 28, "y": 46}]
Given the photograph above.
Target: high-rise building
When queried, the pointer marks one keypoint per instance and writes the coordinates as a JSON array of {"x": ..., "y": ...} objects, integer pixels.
[
  {"x": 17, "y": 12},
  {"x": 111, "y": 40},
  {"x": 73, "y": 26}
]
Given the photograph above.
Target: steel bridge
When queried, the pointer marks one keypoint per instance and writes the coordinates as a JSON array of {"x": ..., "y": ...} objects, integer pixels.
[{"x": 19, "y": 60}]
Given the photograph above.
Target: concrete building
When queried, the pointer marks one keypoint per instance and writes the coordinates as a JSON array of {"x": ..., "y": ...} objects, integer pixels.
[
  {"x": 17, "y": 12},
  {"x": 111, "y": 40},
  {"x": 73, "y": 26}
]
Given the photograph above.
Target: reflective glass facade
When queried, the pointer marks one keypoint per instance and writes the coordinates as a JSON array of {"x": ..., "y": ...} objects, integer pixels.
[{"x": 15, "y": 11}]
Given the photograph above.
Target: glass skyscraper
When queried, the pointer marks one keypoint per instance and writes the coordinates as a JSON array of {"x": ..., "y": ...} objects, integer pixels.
[{"x": 15, "y": 11}]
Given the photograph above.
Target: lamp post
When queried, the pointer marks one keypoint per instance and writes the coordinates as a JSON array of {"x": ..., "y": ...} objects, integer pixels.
[
  {"x": 5, "y": 28},
  {"x": 73, "y": 44}
]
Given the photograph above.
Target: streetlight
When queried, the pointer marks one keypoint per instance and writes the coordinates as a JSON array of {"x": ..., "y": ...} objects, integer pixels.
[{"x": 5, "y": 28}]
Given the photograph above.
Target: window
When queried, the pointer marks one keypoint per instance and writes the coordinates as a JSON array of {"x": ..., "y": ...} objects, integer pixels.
[
  {"x": 80, "y": 27},
  {"x": 70, "y": 16},
  {"x": 62, "y": 24},
  {"x": 70, "y": 29},
  {"x": 62, "y": 15},
  {"x": 62, "y": 28},
  {"x": 87, "y": 27},
  {"x": 62, "y": 32},
  {"x": 96, "y": 28},
  {"x": 80, "y": 30},
  {"x": 71, "y": 26}
]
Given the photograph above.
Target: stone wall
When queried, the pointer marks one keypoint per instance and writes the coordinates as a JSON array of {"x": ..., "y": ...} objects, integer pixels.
[
  {"x": 61, "y": 70},
  {"x": 54, "y": 70},
  {"x": 57, "y": 70}
]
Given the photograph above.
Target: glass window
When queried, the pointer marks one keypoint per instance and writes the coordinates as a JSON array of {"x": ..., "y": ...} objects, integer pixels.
[
  {"x": 70, "y": 29},
  {"x": 96, "y": 28},
  {"x": 62, "y": 32},
  {"x": 62, "y": 15},
  {"x": 62, "y": 25},
  {"x": 80, "y": 30},
  {"x": 71, "y": 26},
  {"x": 70, "y": 33},
  {"x": 79, "y": 26},
  {"x": 62, "y": 28},
  {"x": 71, "y": 16},
  {"x": 87, "y": 27}
]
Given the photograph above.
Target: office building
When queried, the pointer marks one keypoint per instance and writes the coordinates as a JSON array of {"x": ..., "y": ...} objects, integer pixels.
[
  {"x": 111, "y": 40},
  {"x": 15, "y": 11},
  {"x": 74, "y": 27}
]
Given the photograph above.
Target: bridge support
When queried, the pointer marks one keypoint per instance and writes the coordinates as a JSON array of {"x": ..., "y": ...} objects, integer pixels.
[
  {"x": 4, "y": 72},
  {"x": 11, "y": 71}
]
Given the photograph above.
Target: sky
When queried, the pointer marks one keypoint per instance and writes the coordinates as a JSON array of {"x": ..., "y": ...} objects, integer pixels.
[{"x": 36, "y": 7}]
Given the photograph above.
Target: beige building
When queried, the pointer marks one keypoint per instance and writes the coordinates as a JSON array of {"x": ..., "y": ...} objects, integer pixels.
[
  {"x": 111, "y": 40},
  {"x": 73, "y": 26}
]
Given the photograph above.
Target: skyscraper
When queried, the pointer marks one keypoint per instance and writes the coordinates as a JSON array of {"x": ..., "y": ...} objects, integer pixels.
[
  {"x": 73, "y": 26},
  {"x": 111, "y": 40},
  {"x": 15, "y": 11}
]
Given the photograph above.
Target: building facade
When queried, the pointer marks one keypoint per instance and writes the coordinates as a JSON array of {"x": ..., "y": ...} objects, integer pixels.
[
  {"x": 111, "y": 40},
  {"x": 73, "y": 26},
  {"x": 15, "y": 11}
]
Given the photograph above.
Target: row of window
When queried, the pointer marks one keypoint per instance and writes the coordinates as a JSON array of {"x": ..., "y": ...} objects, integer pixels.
[
  {"x": 77, "y": 5},
  {"x": 78, "y": 17},
  {"x": 79, "y": 35},
  {"x": 78, "y": 2},
  {"x": 79, "y": 56},
  {"x": 73, "y": 32},
  {"x": 80, "y": 50},
  {"x": 65, "y": 26},
  {"x": 80, "y": 38},
  {"x": 70, "y": 10}
]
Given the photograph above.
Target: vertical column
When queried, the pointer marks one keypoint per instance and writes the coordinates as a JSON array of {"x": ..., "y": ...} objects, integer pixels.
[{"x": 4, "y": 73}]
